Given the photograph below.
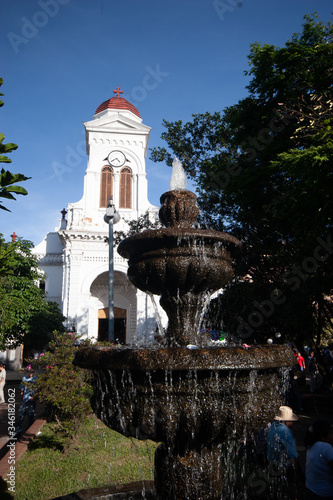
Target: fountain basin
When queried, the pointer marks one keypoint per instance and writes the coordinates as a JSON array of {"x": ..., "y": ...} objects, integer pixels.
[
  {"x": 179, "y": 261},
  {"x": 184, "y": 266},
  {"x": 192, "y": 395},
  {"x": 207, "y": 358}
]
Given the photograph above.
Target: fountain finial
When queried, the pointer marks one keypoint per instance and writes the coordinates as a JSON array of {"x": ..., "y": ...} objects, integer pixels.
[
  {"x": 178, "y": 176},
  {"x": 178, "y": 206}
]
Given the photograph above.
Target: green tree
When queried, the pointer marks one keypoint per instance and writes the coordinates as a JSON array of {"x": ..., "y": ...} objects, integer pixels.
[
  {"x": 263, "y": 170},
  {"x": 25, "y": 315},
  {"x": 62, "y": 387},
  {"x": 7, "y": 179}
]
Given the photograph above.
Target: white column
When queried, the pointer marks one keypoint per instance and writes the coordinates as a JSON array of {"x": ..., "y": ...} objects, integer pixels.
[
  {"x": 65, "y": 283},
  {"x": 116, "y": 186},
  {"x": 135, "y": 192},
  {"x": 73, "y": 286}
]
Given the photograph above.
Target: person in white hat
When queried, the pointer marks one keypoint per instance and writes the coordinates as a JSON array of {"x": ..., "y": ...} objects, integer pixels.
[{"x": 281, "y": 446}]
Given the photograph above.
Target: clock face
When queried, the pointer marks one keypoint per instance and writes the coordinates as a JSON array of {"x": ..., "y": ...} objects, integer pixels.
[{"x": 116, "y": 158}]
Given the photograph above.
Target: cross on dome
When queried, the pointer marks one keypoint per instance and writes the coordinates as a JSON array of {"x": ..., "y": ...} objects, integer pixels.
[
  {"x": 118, "y": 103},
  {"x": 118, "y": 91}
]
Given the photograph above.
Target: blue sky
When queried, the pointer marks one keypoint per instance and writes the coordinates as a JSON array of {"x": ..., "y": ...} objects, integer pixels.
[{"x": 62, "y": 58}]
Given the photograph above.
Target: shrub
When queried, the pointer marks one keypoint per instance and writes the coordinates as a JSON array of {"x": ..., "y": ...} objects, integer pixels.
[{"x": 63, "y": 388}]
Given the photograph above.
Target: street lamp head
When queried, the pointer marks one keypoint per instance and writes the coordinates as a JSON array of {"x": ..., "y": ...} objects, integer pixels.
[{"x": 111, "y": 212}]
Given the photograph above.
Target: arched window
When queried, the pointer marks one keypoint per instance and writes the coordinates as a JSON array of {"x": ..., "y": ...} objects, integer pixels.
[
  {"x": 125, "y": 188},
  {"x": 106, "y": 186}
]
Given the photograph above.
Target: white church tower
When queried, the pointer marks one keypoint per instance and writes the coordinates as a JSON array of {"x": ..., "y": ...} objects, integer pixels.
[{"x": 75, "y": 256}]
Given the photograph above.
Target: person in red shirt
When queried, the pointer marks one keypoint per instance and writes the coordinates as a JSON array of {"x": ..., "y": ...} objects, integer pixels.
[{"x": 300, "y": 361}]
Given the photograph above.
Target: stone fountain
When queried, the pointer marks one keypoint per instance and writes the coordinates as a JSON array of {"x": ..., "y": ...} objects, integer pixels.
[{"x": 185, "y": 394}]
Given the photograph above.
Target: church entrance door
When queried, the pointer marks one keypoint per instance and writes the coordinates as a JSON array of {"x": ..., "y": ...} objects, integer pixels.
[{"x": 119, "y": 325}]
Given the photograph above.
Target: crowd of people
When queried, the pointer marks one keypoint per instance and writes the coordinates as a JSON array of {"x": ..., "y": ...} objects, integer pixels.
[
  {"x": 27, "y": 404},
  {"x": 28, "y": 401},
  {"x": 317, "y": 363},
  {"x": 283, "y": 463},
  {"x": 288, "y": 476}
]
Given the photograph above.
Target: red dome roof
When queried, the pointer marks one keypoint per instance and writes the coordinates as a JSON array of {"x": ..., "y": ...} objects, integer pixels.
[{"x": 117, "y": 103}]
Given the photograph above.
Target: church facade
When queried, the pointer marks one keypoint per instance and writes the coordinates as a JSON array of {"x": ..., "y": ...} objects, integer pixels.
[{"x": 75, "y": 256}]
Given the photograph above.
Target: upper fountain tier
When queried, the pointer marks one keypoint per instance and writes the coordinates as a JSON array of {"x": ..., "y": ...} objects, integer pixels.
[{"x": 183, "y": 264}]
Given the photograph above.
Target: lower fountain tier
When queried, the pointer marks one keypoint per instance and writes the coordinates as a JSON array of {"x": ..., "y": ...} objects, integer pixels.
[{"x": 186, "y": 397}]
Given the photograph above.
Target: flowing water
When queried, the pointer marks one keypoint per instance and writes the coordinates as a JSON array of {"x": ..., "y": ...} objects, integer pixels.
[
  {"x": 235, "y": 459},
  {"x": 157, "y": 315},
  {"x": 178, "y": 177}
]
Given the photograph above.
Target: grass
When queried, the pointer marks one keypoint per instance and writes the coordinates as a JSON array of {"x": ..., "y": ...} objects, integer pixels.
[{"x": 96, "y": 457}]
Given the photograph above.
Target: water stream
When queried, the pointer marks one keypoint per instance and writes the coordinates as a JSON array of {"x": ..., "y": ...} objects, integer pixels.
[{"x": 153, "y": 409}]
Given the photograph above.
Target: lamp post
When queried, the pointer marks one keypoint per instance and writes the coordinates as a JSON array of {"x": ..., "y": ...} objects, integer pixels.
[{"x": 111, "y": 217}]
